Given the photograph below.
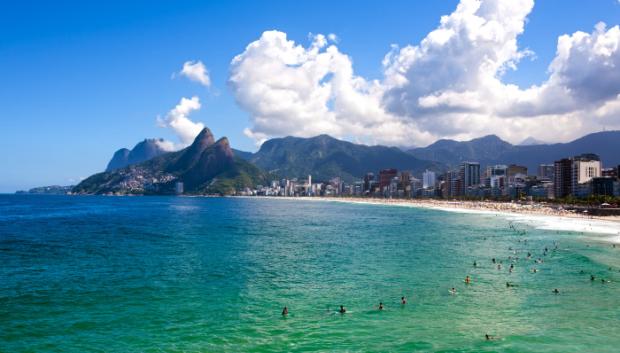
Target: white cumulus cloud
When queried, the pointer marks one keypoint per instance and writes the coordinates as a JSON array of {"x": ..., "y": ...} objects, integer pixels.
[
  {"x": 447, "y": 86},
  {"x": 178, "y": 120},
  {"x": 196, "y": 71},
  {"x": 304, "y": 91}
]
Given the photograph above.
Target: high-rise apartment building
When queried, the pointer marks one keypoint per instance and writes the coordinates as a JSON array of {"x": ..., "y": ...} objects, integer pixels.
[{"x": 428, "y": 179}]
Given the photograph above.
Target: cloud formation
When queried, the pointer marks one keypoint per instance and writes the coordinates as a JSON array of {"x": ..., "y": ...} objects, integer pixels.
[
  {"x": 449, "y": 85},
  {"x": 292, "y": 90},
  {"x": 197, "y": 72},
  {"x": 178, "y": 120}
]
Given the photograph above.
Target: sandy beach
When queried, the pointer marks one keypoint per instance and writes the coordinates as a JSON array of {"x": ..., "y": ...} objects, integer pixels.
[{"x": 536, "y": 215}]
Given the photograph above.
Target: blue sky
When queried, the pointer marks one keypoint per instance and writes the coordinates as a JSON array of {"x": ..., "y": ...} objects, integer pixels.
[{"x": 80, "y": 80}]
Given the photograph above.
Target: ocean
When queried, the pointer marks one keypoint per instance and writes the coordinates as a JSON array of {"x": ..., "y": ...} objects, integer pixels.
[{"x": 180, "y": 274}]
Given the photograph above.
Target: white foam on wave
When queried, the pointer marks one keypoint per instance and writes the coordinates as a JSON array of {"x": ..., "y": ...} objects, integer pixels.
[
  {"x": 550, "y": 222},
  {"x": 544, "y": 222}
]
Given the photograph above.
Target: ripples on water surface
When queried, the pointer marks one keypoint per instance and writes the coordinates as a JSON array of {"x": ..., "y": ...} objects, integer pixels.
[{"x": 212, "y": 274}]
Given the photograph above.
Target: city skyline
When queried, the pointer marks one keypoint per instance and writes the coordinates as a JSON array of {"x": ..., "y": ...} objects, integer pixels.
[{"x": 82, "y": 85}]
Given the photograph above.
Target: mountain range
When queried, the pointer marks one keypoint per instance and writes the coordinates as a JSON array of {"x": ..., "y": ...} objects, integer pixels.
[
  {"x": 143, "y": 151},
  {"x": 209, "y": 166},
  {"x": 489, "y": 150},
  {"x": 325, "y": 157},
  {"x": 205, "y": 167}
]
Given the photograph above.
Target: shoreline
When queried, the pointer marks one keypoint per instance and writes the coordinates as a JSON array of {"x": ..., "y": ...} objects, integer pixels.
[{"x": 536, "y": 215}]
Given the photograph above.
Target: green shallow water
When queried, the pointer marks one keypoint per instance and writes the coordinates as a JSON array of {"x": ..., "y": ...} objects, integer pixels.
[{"x": 212, "y": 275}]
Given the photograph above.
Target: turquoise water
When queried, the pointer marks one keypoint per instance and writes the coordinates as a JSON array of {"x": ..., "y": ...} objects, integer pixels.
[{"x": 212, "y": 275}]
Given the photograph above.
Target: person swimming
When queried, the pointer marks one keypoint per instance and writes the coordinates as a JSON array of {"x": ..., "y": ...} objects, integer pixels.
[
  {"x": 403, "y": 300},
  {"x": 475, "y": 264},
  {"x": 534, "y": 270},
  {"x": 467, "y": 280},
  {"x": 556, "y": 291},
  {"x": 380, "y": 306},
  {"x": 489, "y": 337},
  {"x": 285, "y": 311},
  {"x": 342, "y": 310},
  {"x": 592, "y": 278},
  {"x": 493, "y": 260},
  {"x": 499, "y": 266}
]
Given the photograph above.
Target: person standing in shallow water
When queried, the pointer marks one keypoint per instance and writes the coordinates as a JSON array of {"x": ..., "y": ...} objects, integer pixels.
[
  {"x": 403, "y": 301},
  {"x": 342, "y": 310},
  {"x": 381, "y": 306},
  {"x": 285, "y": 311}
]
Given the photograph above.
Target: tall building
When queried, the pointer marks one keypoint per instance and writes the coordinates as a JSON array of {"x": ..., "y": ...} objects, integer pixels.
[
  {"x": 470, "y": 174},
  {"x": 428, "y": 179},
  {"x": 385, "y": 178},
  {"x": 572, "y": 175},
  {"x": 405, "y": 181},
  {"x": 562, "y": 177},
  {"x": 545, "y": 171},
  {"x": 584, "y": 168},
  {"x": 453, "y": 185},
  {"x": 369, "y": 178}
]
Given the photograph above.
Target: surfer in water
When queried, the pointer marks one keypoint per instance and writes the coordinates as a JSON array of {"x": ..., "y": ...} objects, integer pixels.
[
  {"x": 285, "y": 311},
  {"x": 380, "y": 305},
  {"x": 342, "y": 310}
]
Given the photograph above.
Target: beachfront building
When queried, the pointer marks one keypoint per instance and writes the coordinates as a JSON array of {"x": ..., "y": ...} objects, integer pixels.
[
  {"x": 584, "y": 168},
  {"x": 385, "y": 179},
  {"x": 562, "y": 180},
  {"x": 453, "y": 185},
  {"x": 428, "y": 179},
  {"x": 369, "y": 183},
  {"x": 470, "y": 173},
  {"x": 572, "y": 176}
]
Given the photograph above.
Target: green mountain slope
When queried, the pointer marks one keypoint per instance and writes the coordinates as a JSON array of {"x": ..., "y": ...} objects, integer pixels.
[{"x": 205, "y": 167}]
